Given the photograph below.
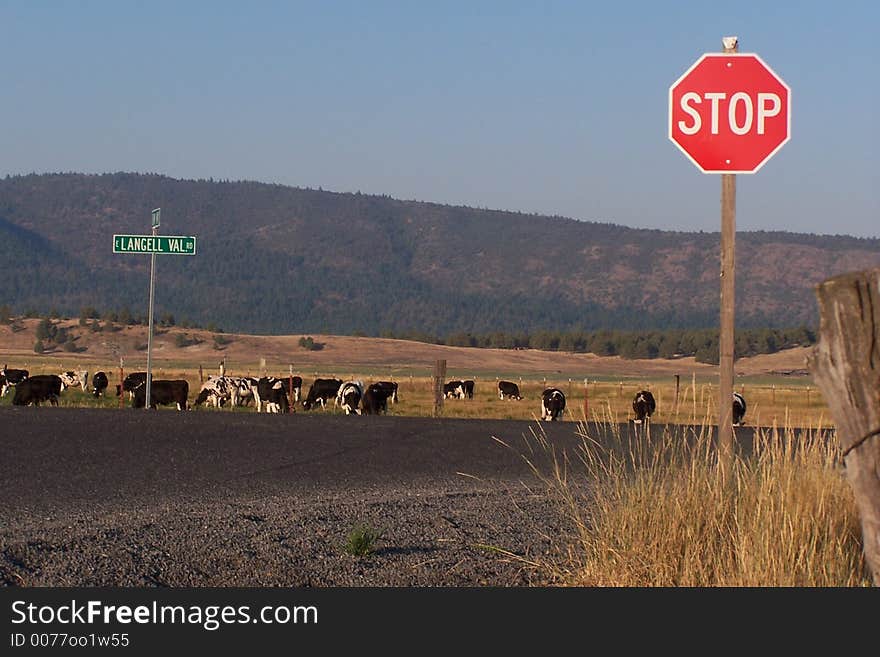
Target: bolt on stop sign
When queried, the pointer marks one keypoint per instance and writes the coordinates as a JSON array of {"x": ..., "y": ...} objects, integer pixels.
[{"x": 729, "y": 113}]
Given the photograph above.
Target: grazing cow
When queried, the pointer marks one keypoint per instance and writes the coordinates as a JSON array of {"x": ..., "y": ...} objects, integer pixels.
[
  {"x": 468, "y": 388},
  {"x": 390, "y": 386},
  {"x": 295, "y": 388},
  {"x": 454, "y": 389},
  {"x": 99, "y": 383},
  {"x": 376, "y": 398},
  {"x": 130, "y": 382},
  {"x": 349, "y": 396},
  {"x": 508, "y": 388},
  {"x": 71, "y": 379},
  {"x": 236, "y": 390},
  {"x": 321, "y": 391},
  {"x": 38, "y": 388},
  {"x": 552, "y": 404},
  {"x": 272, "y": 392},
  {"x": 11, "y": 378},
  {"x": 643, "y": 406},
  {"x": 247, "y": 390},
  {"x": 162, "y": 391},
  {"x": 218, "y": 390},
  {"x": 739, "y": 409}
]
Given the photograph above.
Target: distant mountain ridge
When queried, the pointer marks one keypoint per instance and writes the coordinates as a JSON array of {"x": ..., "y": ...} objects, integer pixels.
[{"x": 279, "y": 259}]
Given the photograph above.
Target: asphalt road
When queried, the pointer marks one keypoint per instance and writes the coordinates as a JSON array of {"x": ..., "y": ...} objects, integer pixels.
[
  {"x": 59, "y": 457},
  {"x": 67, "y": 457},
  {"x": 146, "y": 498}
]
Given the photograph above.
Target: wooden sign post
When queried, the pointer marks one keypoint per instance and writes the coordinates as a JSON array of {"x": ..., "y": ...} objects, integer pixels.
[
  {"x": 729, "y": 113},
  {"x": 728, "y": 288}
]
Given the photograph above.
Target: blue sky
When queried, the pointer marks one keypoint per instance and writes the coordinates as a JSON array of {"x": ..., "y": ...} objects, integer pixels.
[{"x": 548, "y": 107}]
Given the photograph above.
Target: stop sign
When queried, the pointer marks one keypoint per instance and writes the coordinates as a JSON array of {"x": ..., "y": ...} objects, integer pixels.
[{"x": 729, "y": 113}]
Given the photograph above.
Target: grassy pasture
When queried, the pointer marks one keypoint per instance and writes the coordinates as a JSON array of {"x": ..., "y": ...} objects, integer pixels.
[{"x": 771, "y": 400}]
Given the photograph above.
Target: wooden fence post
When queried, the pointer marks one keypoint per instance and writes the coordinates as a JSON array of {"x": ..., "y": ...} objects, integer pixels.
[
  {"x": 290, "y": 408},
  {"x": 846, "y": 366},
  {"x": 677, "y": 390},
  {"x": 586, "y": 402},
  {"x": 439, "y": 378},
  {"x": 121, "y": 380}
]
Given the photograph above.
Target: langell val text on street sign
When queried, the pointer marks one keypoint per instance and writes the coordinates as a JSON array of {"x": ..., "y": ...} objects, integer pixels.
[
  {"x": 160, "y": 244},
  {"x": 729, "y": 113}
]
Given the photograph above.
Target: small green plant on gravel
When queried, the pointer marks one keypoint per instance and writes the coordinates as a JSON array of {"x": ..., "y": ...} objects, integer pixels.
[{"x": 361, "y": 541}]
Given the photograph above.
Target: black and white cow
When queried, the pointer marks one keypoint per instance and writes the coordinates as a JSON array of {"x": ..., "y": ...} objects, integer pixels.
[
  {"x": 349, "y": 396},
  {"x": 643, "y": 406},
  {"x": 375, "y": 401},
  {"x": 294, "y": 385},
  {"x": 454, "y": 389},
  {"x": 271, "y": 392},
  {"x": 508, "y": 389},
  {"x": 230, "y": 391},
  {"x": 72, "y": 379},
  {"x": 739, "y": 409},
  {"x": 99, "y": 383},
  {"x": 130, "y": 382},
  {"x": 390, "y": 386},
  {"x": 552, "y": 404},
  {"x": 38, "y": 388},
  {"x": 218, "y": 390},
  {"x": 468, "y": 388},
  {"x": 162, "y": 391},
  {"x": 321, "y": 391},
  {"x": 11, "y": 378}
]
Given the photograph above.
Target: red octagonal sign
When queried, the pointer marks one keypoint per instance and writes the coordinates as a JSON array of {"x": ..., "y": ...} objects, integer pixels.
[{"x": 729, "y": 113}]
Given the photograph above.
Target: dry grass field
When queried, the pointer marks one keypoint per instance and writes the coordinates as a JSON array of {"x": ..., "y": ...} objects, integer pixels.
[{"x": 657, "y": 513}]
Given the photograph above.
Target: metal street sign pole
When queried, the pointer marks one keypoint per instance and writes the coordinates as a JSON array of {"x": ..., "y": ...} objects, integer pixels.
[
  {"x": 154, "y": 245},
  {"x": 155, "y": 226}
]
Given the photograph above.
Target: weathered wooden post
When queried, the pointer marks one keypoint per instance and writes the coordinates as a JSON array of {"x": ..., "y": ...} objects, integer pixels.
[
  {"x": 121, "y": 380},
  {"x": 201, "y": 375},
  {"x": 677, "y": 390},
  {"x": 290, "y": 408},
  {"x": 586, "y": 401},
  {"x": 439, "y": 378},
  {"x": 845, "y": 364},
  {"x": 726, "y": 319}
]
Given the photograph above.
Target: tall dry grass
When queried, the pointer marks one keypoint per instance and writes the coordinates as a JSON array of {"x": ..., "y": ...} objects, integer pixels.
[{"x": 654, "y": 511}]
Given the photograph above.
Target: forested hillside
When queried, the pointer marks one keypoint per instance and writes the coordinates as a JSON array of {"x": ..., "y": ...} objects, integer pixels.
[{"x": 277, "y": 259}]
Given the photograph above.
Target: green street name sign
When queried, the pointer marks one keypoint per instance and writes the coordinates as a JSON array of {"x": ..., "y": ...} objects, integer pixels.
[{"x": 161, "y": 244}]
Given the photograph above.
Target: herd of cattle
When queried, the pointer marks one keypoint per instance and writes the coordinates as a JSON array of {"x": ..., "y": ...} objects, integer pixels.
[{"x": 275, "y": 395}]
